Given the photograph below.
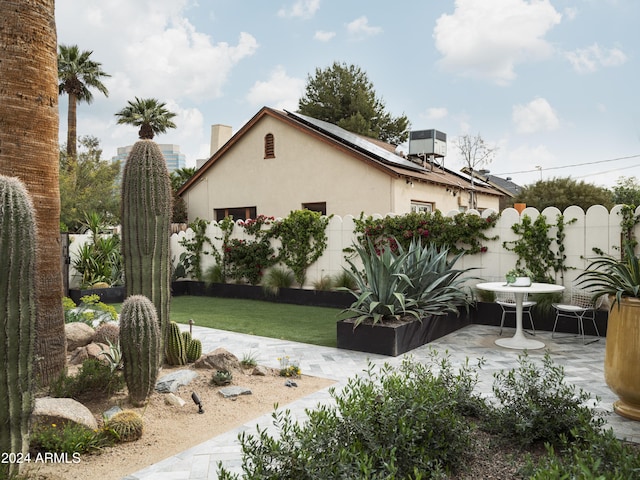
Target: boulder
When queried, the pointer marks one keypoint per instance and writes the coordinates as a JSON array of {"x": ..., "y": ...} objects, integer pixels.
[
  {"x": 261, "y": 371},
  {"x": 48, "y": 410},
  {"x": 173, "y": 400},
  {"x": 219, "y": 359},
  {"x": 92, "y": 350},
  {"x": 111, "y": 412},
  {"x": 170, "y": 382},
  {"x": 231, "y": 392},
  {"x": 78, "y": 335}
]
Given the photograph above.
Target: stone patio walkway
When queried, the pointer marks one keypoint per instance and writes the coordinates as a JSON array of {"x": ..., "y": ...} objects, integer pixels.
[{"x": 583, "y": 366}]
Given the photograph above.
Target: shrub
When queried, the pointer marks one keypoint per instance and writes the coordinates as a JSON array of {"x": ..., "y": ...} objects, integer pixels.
[
  {"x": 94, "y": 379},
  {"x": 596, "y": 455},
  {"x": 535, "y": 405},
  {"x": 277, "y": 278},
  {"x": 70, "y": 438},
  {"x": 393, "y": 423},
  {"x": 90, "y": 310}
]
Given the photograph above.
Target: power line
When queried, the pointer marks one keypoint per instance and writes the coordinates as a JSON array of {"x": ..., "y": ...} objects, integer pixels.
[{"x": 574, "y": 165}]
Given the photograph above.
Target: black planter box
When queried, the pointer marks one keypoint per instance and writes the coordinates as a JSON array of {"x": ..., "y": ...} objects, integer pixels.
[
  {"x": 396, "y": 339},
  {"x": 107, "y": 295},
  {"x": 297, "y": 296}
]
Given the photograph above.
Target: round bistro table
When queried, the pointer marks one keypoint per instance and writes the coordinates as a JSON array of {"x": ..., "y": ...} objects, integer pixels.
[{"x": 518, "y": 341}]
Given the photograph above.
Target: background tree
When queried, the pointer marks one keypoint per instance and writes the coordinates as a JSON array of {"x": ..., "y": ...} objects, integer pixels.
[
  {"x": 149, "y": 114},
  {"x": 178, "y": 178},
  {"x": 475, "y": 154},
  {"x": 562, "y": 193},
  {"x": 92, "y": 188},
  {"x": 627, "y": 191},
  {"x": 29, "y": 139},
  {"x": 77, "y": 73},
  {"x": 343, "y": 95}
]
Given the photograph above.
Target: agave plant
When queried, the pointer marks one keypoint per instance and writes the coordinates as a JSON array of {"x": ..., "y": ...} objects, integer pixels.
[
  {"x": 380, "y": 289},
  {"x": 607, "y": 275},
  {"x": 437, "y": 287},
  {"x": 416, "y": 282}
]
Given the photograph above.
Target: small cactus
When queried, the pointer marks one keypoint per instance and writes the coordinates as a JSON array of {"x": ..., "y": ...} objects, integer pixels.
[
  {"x": 108, "y": 332},
  {"x": 17, "y": 317},
  {"x": 126, "y": 425},
  {"x": 221, "y": 377},
  {"x": 194, "y": 350},
  {"x": 176, "y": 351},
  {"x": 140, "y": 343}
]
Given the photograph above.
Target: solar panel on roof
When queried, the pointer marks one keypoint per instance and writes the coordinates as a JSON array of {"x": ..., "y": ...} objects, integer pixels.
[{"x": 356, "y": 141}]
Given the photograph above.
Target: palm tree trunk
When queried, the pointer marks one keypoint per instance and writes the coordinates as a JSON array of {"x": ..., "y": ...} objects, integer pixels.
[
  {"x": 72, "y": 131},
  {"x": 29, "y": 150}
]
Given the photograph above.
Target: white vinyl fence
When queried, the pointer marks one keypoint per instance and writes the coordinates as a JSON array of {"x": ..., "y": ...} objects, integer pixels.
[{"x": 595, "y": 228}]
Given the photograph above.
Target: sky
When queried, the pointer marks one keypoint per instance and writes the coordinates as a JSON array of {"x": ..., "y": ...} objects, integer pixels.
[{"x": 552, "y": 85}]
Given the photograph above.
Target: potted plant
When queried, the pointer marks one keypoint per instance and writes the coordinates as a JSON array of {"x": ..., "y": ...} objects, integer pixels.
[
  {"x": 619, "y": 280},
  {"x": 402, "y": 298},
  {"x": 520, "y": 277}
]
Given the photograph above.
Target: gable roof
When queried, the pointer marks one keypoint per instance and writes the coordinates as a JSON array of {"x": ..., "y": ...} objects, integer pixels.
[
  {"x": 505, "y": 185},
  {"x": 371, "y": 151}
]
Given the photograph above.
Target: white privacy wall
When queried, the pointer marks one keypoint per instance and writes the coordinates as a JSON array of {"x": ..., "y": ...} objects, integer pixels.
[{"x": 595, "y": 228}]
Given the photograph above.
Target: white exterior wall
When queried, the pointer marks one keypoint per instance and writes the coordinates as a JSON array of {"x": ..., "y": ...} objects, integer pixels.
[{"x": 305, "y": 170}]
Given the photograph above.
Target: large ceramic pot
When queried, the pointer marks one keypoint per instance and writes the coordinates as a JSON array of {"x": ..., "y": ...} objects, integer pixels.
[{"x": 622, "y": 357}]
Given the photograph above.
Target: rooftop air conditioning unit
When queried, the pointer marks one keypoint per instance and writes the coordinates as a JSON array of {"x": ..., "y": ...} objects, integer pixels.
[{"x": 430, "y": 143}]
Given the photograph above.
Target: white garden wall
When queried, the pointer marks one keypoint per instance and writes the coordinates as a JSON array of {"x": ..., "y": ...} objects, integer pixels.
[{"x": 595, "y": 228}]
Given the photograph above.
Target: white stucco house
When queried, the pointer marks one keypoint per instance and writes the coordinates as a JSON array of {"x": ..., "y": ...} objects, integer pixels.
[{"x": 281, "y": 161}]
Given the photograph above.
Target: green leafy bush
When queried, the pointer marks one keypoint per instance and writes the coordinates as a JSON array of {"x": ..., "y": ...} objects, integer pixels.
[
  {"x": 403, "y": 422},
  {"x": 535, "y": 405},
  {"x": 70, "y": 438},
  {"x": 461, "y": 233},
  {"x": 246, "y": 260},
  {"x": 94, "y": 379},
  {"x": 90, "y": 310},
  {"x": 593, "y": 455}
]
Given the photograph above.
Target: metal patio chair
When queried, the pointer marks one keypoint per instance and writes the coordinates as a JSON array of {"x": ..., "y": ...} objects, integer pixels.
[
  {"x": 579, "y": 308},
  {"x": 507, "y": 302}
]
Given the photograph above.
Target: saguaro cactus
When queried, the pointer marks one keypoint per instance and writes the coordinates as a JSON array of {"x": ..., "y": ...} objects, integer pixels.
[
  {"x": 146, "y": 221},
  {"x": 18, "y": 316},
  {"x": 140, "y": 343}
]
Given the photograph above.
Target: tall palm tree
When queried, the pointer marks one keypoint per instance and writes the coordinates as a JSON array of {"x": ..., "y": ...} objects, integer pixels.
[
  {"x": 77, "y": 73},
  {"x": 29, "y": 140},
  {"x": 149, "y": 114},
  {"x": 180, "y": 176}
]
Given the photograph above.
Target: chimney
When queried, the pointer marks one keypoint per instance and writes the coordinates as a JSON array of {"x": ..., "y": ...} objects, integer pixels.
[{"x": 220, "y": 134}]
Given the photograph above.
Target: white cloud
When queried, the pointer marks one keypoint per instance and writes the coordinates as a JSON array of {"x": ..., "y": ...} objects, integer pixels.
[
  {"x": 437, "y": 113},
  {"x": 535, "y": 116},
  {"x": 590, "y": 59},
  {"x": 360, "y": 28},
  {"x": 300, "y": 9},
  {"x": 323, "y": 36},
  {"x": 488, "y": 38},
  {"x": 279, "y": 91}
]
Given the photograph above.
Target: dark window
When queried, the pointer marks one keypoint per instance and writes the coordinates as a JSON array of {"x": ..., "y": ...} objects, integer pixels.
[
  {"x": 238, "y": 213},
  {"x": 316, "y": 207},
  {"x": 269, "y": 146}
]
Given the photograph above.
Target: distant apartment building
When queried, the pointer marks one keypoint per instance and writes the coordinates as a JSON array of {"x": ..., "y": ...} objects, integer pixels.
[{"x": 175, "y": 160}]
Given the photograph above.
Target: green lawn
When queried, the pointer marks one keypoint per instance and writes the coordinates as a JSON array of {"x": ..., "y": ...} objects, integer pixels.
[{"x": 315, "y": 325}]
